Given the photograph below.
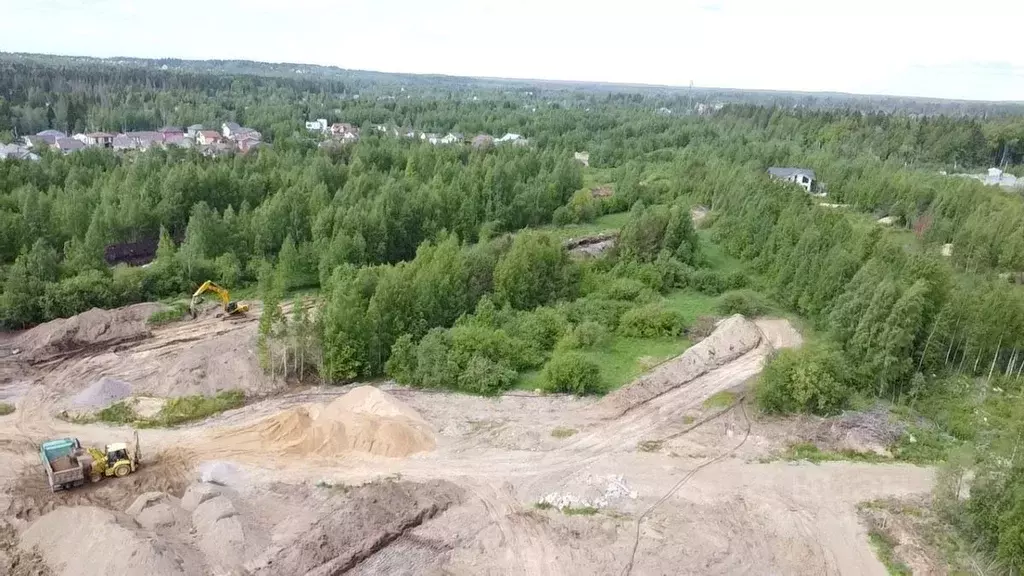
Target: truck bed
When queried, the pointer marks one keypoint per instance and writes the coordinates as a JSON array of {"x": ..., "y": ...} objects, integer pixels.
[{"x": 63, "y": 463}]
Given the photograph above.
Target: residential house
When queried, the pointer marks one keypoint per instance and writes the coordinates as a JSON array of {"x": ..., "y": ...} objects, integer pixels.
[
  {"x": 146, "y": 139},
  {"x": 453, "y": 138},
  {"x": 339, "y": 128},
  {"x": 38, "y": 142},
  {"x": 45, "y": 138},
  {"x": 663, "y": 111},
  {"x": 176, "y": 139},
  {"x": 318, "y": 125},
  {"x": 508, "y": 138},
  {"x": 193, "y": 131},
  {"x": 171, "y": 130},
  {"x": 208, "y": 137},
  {"x": 54, "y": 134},
  {"x": 997, "y": 177},
  {"x": 230, "y": 128},
  {"x": 123, "y": 142},
  {"x": 412, "y": 134},
  {"x": 245, "y": 133},
  {"x": 802, "y": 176},
  {"x": 99, "y": 139},
  {"x": 246, "y": 144},
  {"x": 582, "y": 158},
  {"x": 431, "y": 138},
  {"x": 16, "y": 152},
  {"x": 68, "y": 145},
  {"x": 483, "y": 141}
]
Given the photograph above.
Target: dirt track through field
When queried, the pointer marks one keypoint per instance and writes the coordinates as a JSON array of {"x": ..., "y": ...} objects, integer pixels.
[{"x": 734, "y": 516}]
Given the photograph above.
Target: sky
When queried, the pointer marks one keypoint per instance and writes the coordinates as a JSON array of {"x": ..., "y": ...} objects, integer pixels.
[{"x": 936, "y": 48}]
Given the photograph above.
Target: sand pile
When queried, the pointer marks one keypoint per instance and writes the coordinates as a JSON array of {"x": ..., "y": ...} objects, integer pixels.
[
  {"x": 87, "y": 541},
  {"x": 734, "y": 337},
  {"x": 94, "y": 328},
  {"x": 364, "y": 420},
  {"x": 102, "y": 393}
]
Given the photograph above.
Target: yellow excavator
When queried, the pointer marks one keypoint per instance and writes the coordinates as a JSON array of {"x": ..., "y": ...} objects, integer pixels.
[{"x": 231, "y": 307}]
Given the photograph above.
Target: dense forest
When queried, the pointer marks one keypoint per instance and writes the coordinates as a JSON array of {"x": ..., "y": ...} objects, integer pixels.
[{"x": 441, "y": 266}]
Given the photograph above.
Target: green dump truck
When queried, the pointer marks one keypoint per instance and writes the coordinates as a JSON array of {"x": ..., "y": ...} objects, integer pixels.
[{"x": 67, "y": 464}]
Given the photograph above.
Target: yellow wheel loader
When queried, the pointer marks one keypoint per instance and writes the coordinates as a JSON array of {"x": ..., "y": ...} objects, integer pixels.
[{"x": 230, "y": 307}]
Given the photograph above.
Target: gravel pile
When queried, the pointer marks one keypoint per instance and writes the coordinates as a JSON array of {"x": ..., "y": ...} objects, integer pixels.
[{"x": 102, "y": 393}]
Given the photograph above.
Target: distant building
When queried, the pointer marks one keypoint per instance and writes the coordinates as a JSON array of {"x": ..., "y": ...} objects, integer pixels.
[
  {"x": 997, "y": 177},
  {"x": 16, "y": 152},
  {"x": 802, "y": 176},
  {"x": 123, "y": 142},
  {"x": 582, "y": 158},
  {"x": 68, "y": 145},
  {"x": 145, "y": 139},
  {"x": 193, "y": 130},
  {"x": 453, "y": 138},
  {"x": 45, "y": 138},
  {"x": 208, "y": 137},
  {"x": 230, "y": 128},
  {"x": 38, "y": 142},
  {"x": 171, "y": 130},
  {"x": 508, "y": 138},
  {"x": 98, "y": 139},
  {"x": 318, "y": 125}
]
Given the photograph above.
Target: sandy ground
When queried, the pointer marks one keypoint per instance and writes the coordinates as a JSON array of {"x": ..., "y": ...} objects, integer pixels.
[{"x": 687, "y": 500}]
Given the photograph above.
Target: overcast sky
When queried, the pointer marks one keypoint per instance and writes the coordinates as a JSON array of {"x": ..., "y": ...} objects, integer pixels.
[{"x": 940, "y": 48}]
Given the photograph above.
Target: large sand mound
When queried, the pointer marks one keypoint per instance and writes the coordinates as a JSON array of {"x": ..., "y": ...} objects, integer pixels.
[
  {"x": 94, "y": 328},
  {"x": 364, "y": 420},
  {"x": 732, "y": 338},
  {"x": 225, "y": 362},
  {"x": 89, "y": 541}
]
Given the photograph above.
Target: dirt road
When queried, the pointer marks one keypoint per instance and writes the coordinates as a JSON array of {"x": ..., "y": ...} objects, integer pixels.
[{"x": 735, "y": 515}]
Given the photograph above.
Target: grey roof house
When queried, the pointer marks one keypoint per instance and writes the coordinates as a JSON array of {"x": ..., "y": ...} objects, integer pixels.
[{"x": 802, "y": 176}]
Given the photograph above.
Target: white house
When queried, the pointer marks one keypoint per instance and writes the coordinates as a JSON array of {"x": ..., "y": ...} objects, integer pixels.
[
  {"x": 509, "y": 138},
  {"x": 452, "y": 138},
  {"x": 318, "y": 125},
  {"x": 229, "y": 128},
  {"x": 801, "y": 176}
]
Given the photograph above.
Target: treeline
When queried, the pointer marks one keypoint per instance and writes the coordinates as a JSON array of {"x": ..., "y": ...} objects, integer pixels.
[{"x": 369, "y": 205}]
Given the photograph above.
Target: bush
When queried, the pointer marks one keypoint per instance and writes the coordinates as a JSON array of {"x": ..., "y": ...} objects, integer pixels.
[
  {"x": 573, "y": 373},
  {"x": 714, "y": 282},
  {"x": 173, "y": 314},
  {"x": 90, "y": 289},
  {"x": 536, "y": 270},
  {"x": 628, "y": 289},
  {"x": 484, "y": 376},
  {"x": 745, "y": 302},
  {"x": 809, "y": 379},
  {"x": 539, "y": 329},
  {"x": 651, "y": 321},
  {"x": 586, "y": 335},
  {"x": 190, "y": 408},
  {"x": 595, "y": 309},
  {"x": 6, "y": 408},
  {"x": 401, "y": 365}
]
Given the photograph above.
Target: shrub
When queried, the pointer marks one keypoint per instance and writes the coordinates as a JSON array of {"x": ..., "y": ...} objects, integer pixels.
[
  {"x": 650, "y": 321},
  {"x": 536, "y": 270},
  {"x": 628, "y": 289},
  {"x": 6, "y": 408},
  {"x": 809, "y": 379},
  {"x": 573, "y": 373},
  {"x": 586, "y": 335},
  {"x": 484, "y": 376},
  {"x": 539, "y": 329},
  {"x": 189, "y": 408},
  {"x": 434, "y": 367},
  {"x": 714, "y": 282},
  {"x": 701, "y": 329},
  {"x": 401, "y": 365},
  {"x": 745, "y": 302},
  {"x": 173, "y": 314},
  {"x": 602, "y": 311}
]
